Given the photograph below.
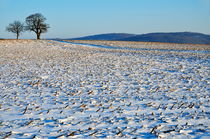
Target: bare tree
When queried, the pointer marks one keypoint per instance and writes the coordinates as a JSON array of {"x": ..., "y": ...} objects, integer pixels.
[
  {"x": 36, "y": 23},
  {"x": 16, "y": 27}
]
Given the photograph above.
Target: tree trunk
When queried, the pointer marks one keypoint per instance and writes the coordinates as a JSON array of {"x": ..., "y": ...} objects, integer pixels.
[
  {"x": 38, "y": 36},
  {"x": 17, "y": 36}
]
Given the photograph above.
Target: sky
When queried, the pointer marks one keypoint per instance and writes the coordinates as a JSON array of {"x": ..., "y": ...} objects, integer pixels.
[{"x": 75, "y": 18}]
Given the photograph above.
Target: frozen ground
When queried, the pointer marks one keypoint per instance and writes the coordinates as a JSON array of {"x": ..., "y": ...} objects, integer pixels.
[
  {"x": 150, "y": 45},
  {"x": 51, "y": 89}
]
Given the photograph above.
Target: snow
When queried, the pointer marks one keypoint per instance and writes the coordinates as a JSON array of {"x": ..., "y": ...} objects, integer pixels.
[{"x": 55, "y": 89}]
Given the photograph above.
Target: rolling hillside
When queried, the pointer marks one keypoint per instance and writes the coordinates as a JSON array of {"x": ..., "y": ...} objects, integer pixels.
[
  {"x": 177, "y": 37},
  {"x": 180, "y": 37},
  {"x": 107, "y": 37}
]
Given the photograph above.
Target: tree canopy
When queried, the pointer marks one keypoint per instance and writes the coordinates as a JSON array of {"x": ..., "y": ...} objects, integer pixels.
[
  {"x": 16, "y": 27},
  {"x": 36, "y": 23}
]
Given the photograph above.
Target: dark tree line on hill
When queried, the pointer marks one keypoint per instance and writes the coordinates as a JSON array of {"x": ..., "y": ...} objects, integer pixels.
[{"x": 35, "y": 23}]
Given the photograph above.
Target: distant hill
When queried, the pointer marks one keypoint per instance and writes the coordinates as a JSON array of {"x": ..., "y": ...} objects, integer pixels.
[
  {"x": 106, "y": 37},
  {"x": 177, "y": 37}
]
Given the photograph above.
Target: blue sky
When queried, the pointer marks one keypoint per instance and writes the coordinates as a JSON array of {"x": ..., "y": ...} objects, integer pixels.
[{"x": 73, "y": 18}]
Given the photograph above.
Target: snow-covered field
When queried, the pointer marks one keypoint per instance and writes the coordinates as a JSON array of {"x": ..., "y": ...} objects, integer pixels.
[
  {"x": 50, "y": 89},
  {"x": 150, "y": 45}
]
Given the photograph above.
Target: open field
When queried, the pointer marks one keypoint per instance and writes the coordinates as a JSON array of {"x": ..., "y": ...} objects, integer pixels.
[
  {"x": 150, "y": 45},
  {"x": 54, "y": 89}
]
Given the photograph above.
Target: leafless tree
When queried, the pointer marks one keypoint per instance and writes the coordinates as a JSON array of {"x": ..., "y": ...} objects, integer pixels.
[
  {"x": 36, "y": 23},
  {"x": 16, "y": 27}
]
